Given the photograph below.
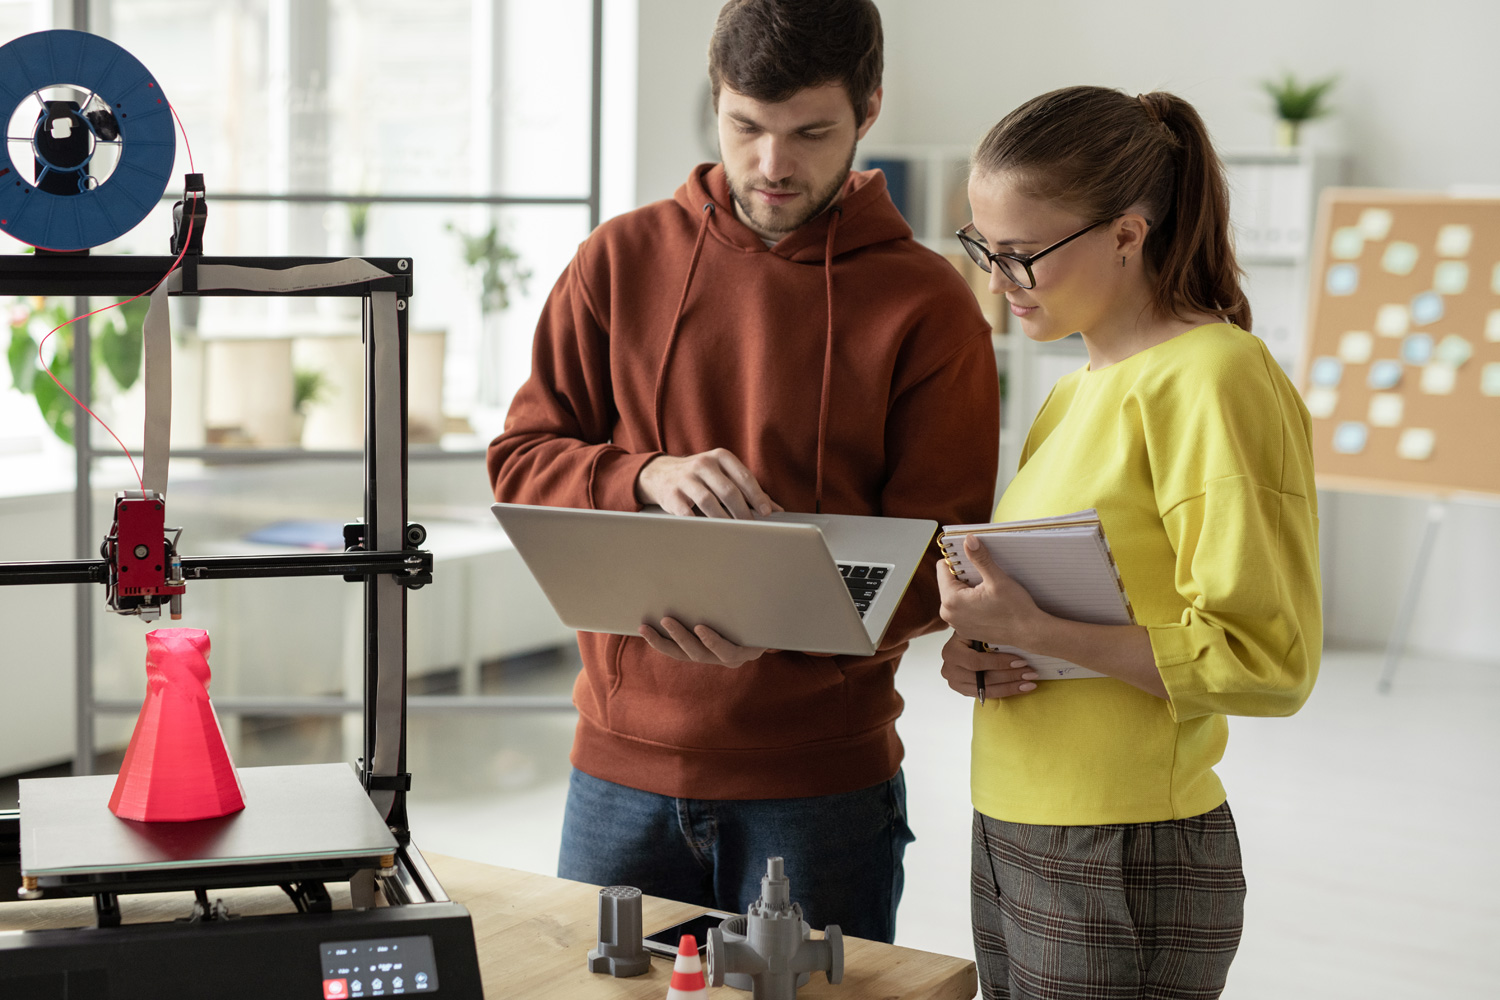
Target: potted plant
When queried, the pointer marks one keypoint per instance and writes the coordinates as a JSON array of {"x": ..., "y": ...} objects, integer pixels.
[
  {"x": 1296, "y": 103},
  {"x": 309, "y": 386},
  {"x": 498, "y": 267},
  {"x": 117, "y": 346},
  {"x": 359, "y": 225}
]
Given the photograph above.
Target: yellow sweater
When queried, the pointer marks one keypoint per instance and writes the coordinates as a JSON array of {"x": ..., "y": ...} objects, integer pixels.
[{"x": 1196, "y": 454}]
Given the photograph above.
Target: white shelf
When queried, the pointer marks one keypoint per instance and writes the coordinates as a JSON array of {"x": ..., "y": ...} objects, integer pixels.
[
  {"x": 1273, "y": 201},
  {"x": 935, "y": 192}
]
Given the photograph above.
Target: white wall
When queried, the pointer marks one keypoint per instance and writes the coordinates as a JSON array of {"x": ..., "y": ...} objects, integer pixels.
[
  {"x": 673, "y": 77},
  {"x": 1413, "y": 102}
]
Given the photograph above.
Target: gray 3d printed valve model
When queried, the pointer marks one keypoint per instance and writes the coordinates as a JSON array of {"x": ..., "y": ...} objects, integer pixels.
[
  {"x": 769, "y": 951},
  {"x": 620, "y": 952}
]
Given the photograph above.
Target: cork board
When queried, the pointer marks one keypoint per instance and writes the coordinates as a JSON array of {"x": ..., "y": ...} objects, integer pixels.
[{"x": 1401, "y": 366}]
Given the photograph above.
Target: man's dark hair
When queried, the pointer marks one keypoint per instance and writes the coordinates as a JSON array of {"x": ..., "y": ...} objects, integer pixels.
[{"x": 770, "y": 49}]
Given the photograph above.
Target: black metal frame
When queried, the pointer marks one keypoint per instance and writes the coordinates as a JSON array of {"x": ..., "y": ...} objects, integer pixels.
[
  {"x": 156, "y": 952},
  {"x": 385, "y": 488}
]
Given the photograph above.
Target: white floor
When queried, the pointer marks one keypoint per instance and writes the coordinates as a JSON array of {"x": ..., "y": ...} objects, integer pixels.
[{"x": 1367, "y": 824}]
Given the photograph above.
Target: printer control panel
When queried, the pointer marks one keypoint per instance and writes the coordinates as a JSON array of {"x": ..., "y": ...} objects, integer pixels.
[{"x": 384, "y": 967}]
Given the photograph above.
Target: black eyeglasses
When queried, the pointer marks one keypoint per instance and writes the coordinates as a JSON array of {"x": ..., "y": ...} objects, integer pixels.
[{"x": 1015, "y": 266}]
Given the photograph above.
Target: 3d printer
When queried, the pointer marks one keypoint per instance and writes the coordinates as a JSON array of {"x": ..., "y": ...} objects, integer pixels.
[{"x": 304, "y": 827}]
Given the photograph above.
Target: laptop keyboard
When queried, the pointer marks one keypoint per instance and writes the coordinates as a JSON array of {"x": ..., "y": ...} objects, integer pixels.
[{"x": 864, "y": 582}]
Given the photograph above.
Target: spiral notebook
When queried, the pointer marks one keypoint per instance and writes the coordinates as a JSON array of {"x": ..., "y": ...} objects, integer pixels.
[{"x": 1065, "y": 565}]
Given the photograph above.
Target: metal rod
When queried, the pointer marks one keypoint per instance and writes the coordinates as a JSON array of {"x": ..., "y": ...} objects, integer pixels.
[
  {"x": 84, "y": 544},
  {"x": 401, "y": 562},
  {"x": 367, "y": 564},
  {"x": 87, "y": 571},
  {"x": 1436, "y": 512},
  {"x": 318, "y": 705},
  {"x": 596, "y": 121},
  {"x": 253, "y": 456},
  {"x": 128, "y": 274},
  {"x": 321, "y": 197}
]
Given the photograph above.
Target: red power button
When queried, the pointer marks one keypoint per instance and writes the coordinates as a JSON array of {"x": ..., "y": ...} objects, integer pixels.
[{"x": 335, "y": 989}]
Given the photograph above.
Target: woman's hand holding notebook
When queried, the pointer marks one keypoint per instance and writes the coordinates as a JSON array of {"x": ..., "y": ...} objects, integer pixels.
[{"x": 1065, "y": 565}]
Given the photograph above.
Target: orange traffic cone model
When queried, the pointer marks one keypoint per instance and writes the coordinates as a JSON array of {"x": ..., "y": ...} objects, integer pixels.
[
  {"x": 177, "y": 767},
  {"x": 687, "y": 972}
]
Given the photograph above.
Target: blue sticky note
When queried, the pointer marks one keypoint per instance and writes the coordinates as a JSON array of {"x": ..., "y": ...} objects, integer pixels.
[
  {"x": 1416, "y": 349},
  {"x": 1343, "y": 279},
  {"x": 1326, "y": 371},
  {"x": 1385, "y": 374},
  {"x": 1426, "y": 308},
  {"x": 1350, "y": 438}
]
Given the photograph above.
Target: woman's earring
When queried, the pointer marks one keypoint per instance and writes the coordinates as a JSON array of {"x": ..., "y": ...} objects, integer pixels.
[{"x": 1122, "y": 261}]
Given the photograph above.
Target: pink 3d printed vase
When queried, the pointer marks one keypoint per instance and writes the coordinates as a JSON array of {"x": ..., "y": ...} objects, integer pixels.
[{"x": 177, "y": 767}]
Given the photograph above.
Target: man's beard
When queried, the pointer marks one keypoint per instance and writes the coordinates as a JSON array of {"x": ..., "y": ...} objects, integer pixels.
[{"x": 769, "y": 219}]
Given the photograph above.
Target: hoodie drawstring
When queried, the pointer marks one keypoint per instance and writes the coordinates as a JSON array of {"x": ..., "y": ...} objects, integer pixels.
[
  {"x": 827, "y": 395},
  {"x": 666, "y": 354}
]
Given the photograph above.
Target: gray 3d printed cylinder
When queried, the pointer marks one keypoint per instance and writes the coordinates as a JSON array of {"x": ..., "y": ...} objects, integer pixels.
[{"x": 620, "y": 951}]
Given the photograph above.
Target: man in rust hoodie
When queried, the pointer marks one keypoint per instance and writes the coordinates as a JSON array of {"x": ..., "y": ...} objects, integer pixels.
[{"x": 771, "y": 337}]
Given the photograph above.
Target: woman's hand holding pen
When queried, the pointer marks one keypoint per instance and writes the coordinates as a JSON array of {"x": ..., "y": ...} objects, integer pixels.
[
  {"x": 977, "y": 674},
  {"x": 997, "y": 610}
]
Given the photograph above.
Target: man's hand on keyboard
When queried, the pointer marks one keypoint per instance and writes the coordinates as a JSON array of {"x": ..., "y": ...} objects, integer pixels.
[
  {"x": 699, "y": 645},
  {"x": 713, "y": 482}
]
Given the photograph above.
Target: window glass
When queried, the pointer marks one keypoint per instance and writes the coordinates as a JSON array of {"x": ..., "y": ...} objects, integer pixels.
[{"x": 450, "y": 98}]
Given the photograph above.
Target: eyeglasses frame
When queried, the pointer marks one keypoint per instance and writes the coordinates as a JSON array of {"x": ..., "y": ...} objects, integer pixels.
[{"x": 988, "y": 258}]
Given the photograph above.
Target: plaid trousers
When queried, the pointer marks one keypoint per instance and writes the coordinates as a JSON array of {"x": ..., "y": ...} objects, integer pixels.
[{"x": 1130, "y": 911}]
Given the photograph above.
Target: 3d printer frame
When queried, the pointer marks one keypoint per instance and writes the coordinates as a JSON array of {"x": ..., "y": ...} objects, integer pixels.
[{"x": 382, "y": 551}]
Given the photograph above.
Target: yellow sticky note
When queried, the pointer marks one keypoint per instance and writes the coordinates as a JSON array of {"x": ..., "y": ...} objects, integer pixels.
[
  {"x": 1400, "y": 257},
  {"x": 1454, "y": 350},
  {"x": 1489, "y": 379},
  {"x": 1321, "y": 401},
  {"x": 1393, "y": 320},
  {"x": 1347, "y": 243},
  {"x": 1454, "y": 241},
  {"x": 1416, "y": 443},
  {"x": 1451, "y": 277},
  {"x": 1355, "y": 347},
  {"x": 1375, "y": 223},
  {"x": 1438, "y": 378},
  {"x": 1386, "y": 409}
]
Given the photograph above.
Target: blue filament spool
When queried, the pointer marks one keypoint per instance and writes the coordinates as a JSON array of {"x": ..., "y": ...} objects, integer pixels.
[{"x": 119, "y": 104}]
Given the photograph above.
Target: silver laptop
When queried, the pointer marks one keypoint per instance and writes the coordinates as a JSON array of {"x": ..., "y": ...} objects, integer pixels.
[{"x": 820, "y": 583}]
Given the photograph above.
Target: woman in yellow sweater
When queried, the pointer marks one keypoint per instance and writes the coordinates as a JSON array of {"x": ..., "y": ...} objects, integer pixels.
[{"x": 1106, "y": 862}]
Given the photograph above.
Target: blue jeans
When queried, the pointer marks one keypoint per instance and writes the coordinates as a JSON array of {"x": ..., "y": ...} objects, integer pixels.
[{"x": 843, "y": 852}]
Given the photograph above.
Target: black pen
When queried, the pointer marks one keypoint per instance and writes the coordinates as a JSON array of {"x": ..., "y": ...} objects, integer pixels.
[{"x": 977, "y": 644}]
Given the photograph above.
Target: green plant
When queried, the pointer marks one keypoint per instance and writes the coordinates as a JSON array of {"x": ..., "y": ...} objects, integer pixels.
[
  {"x": 1299, "y": 102},
  {"x": 117, "y": 346},
  {"x": 359, "y": 220},
  {"x": 309, "y": 386},
  {"x": 499, "y": 267}
]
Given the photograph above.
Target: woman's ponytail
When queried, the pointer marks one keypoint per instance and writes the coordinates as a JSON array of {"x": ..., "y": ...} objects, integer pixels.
[{"x": 1193, "y": 255}]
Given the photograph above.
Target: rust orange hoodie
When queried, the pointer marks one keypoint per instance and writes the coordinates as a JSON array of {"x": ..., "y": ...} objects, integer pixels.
[{"x": 847, "y": 366}]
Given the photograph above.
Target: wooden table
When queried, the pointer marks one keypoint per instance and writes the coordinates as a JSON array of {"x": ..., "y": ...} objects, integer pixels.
[{"x": 534, "y": 933}]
